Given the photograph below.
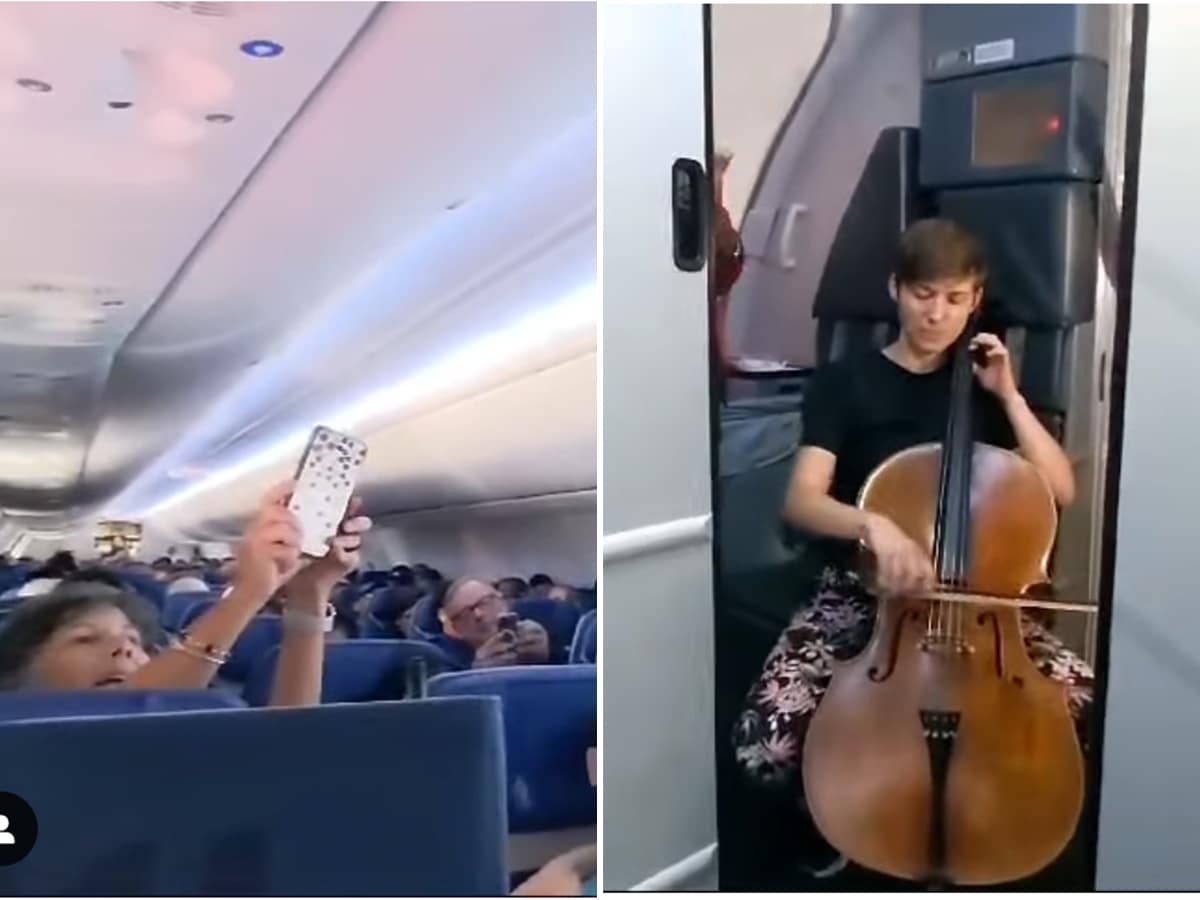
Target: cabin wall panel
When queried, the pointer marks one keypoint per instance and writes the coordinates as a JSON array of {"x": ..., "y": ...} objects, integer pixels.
[{"x": 1149, "y": 795}]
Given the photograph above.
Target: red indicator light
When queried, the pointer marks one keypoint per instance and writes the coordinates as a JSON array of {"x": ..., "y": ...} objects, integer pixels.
[{"x": 1053, "y": 125}]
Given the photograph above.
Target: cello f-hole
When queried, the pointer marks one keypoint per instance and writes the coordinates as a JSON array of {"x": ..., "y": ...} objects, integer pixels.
[
  {"x": 894, "y": 650},
  {"x": 989, "y": 618}
]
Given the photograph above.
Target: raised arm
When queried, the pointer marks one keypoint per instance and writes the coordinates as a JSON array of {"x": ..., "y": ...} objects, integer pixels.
[
  {"x": 1034, "y": 442},
  {"x": 302, "y": 652},
  {"x": 268, "y": 554}
]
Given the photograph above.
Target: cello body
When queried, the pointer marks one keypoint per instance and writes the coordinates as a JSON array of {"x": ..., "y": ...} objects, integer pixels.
[{"x": 941, "y": 753}]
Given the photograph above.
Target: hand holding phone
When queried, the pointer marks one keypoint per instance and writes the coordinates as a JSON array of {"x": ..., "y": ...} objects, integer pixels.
[
  {"x": 324, "y": 485},
  {"x": 508, "y": 625}
]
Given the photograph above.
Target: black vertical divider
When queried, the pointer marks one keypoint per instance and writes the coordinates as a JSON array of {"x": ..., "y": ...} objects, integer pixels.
[{"x": 1116, "y": 426}]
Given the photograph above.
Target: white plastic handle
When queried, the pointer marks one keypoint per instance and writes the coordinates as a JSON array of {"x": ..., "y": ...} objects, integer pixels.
[{"x": 787, "y": 258}]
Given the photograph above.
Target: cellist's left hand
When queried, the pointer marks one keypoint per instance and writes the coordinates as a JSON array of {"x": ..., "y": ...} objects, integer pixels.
[{"x": 997, "y": 374}]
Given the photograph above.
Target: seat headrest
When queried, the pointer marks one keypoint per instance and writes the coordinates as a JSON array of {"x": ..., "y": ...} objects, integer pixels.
[
  {"x": 549, "y": 725},
  {"x": 356, "y": 671},
  {"x": 583, "y": 646},
  {"x": 884, "y": 203},
  {"x": 424, "y": 792},
  {"x": 19, "y": 706}
]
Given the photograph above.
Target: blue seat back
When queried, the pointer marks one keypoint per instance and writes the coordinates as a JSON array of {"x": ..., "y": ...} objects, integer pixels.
[
  {"x": 17, "y": 706},
  {"x": 583, "y": 647},
  {"x": 196, "y": 609},
  {"x": 246, "y": 803},
  {"x": 425, "y": 617},
  {"x": 371, "y": 627},
  {"x": 146, "y": 587},
  {"x": 175, "y": 607},
  {"x": 355, "y": 671},
  {"x": 549, "y": 724},
  {"x": 559, "y": 618},
  {"x": 263, "y": 633},
  {"x": 11, "y": 577}
]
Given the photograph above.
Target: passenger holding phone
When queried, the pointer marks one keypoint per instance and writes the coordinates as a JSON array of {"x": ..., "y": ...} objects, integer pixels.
[
  {"x": 86, "y": 635},
  {"x": 478, "y": 629}
]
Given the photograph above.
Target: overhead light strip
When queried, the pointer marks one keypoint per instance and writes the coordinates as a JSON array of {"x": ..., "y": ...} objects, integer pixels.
[{"x": 456, "y": 371}]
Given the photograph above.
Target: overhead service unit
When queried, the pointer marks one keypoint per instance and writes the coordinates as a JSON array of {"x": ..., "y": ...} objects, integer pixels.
[{"x": 1012, "y": 139}]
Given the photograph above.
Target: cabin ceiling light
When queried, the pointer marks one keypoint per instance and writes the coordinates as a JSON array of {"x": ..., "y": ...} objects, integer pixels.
[
  {"x": 262, "y": 49},
  {"x": 33, "y": 84}
]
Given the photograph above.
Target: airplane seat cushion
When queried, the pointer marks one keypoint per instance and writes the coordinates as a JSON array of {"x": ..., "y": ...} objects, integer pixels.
[
  {"x": 559, "y": 618},
  {"x": 852, "y": 306},
  {"x": 260, "y": 635},
  {"x": 583, "y": 645},
  {"x": 1040, "y": 240},
  {"x": 762, "y": 558},
  {"x": 357, "y": 671},
  {"x": 154, "y": 591},
  {"x": 197, "y": 609},
  {"x": 21, "y": 706},
  {"x": 549, "y": 725},
  {"x": 425, "y": 617},
  {"x": 1042, "y": 359},
  {"x": 387, "y": 604},
  {"x": 370, "y": 627},
  {"x": 176, "y": 606},
  {"x": 587, "y": 598}
]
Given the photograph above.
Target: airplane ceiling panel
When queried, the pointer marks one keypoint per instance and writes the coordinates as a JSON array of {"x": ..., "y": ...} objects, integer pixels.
[
  {"x": 125, "y": 129},
  {"x": 440, "y": 185},
  {"x": 531, "y": 436}
]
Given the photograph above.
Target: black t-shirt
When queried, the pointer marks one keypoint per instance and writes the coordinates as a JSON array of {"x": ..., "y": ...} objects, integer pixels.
[{"x": 865, "y": 408}]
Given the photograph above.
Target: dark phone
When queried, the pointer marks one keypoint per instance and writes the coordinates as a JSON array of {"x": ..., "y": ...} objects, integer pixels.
[{"x": 508, "y": 622}]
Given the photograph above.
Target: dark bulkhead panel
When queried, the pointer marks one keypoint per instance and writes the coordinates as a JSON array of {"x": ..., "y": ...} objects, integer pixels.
[
  {"x": 852, "y": 304},
  {"x": 968, "y": 38},
  {"x": 1013, "y": 149}
]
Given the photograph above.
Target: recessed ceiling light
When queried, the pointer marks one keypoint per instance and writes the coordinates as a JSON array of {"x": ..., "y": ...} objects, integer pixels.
[
  {"x": 219, "y": 118},
  {"x": 32, "y": 84},
  {"x": 120, "y": 104},
  {"x": 262, "y": 49}
]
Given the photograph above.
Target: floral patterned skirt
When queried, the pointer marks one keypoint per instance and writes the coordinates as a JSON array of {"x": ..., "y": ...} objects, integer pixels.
[{"x": 837, "y": 624}]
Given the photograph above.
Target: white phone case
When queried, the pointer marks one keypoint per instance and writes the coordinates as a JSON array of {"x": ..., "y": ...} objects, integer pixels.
[{"x": 324, "y": 486}]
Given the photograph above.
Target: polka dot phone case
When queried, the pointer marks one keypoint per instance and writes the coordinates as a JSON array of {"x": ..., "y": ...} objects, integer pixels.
[{"x": 324, "y": 486}]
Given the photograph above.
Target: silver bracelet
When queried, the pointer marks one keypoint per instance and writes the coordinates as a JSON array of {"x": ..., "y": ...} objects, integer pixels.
[{"x": 306, "y": 622}]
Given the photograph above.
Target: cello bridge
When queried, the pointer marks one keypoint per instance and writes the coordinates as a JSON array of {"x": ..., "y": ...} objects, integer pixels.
[{"x": 947, "y": 644}]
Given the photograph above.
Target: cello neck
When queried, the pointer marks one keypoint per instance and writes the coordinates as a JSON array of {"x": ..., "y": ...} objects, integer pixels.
[{"x": 952, "y": 528}]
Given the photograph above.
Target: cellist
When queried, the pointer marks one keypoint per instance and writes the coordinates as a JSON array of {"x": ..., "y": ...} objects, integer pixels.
[{"x": 858, "y": 412}]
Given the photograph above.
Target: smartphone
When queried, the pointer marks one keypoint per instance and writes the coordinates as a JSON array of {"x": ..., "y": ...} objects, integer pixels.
[
  {"x": 324, "y": 485},
  {"x": 508, "y": 622}
]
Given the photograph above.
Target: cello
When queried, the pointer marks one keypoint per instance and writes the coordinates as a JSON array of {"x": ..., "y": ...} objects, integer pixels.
[{"x": 940, "y": 753}]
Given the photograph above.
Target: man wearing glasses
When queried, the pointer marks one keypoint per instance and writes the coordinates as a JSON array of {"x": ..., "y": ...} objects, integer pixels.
[{"x": 479, "y": 629}]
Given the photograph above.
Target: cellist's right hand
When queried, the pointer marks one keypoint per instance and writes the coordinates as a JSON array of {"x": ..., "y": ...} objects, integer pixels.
[{"x": 902, "y": 567}]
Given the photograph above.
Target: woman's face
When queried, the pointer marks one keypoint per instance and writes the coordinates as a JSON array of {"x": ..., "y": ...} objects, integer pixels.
[
  {"x": 934, "y": 313},
  {"x": 98, "y": 648}
]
